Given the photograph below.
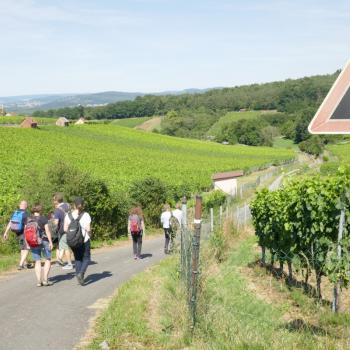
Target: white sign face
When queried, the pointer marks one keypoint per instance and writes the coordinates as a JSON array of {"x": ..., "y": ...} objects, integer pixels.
[{"x": 333, "y": 117}]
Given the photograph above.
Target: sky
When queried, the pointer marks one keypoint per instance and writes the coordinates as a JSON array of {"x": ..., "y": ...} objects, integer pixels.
[{"x": 82, "y": 46}]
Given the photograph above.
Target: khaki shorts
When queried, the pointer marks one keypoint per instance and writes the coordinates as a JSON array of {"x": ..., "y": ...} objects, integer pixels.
[{"x": 62, "y": 245}]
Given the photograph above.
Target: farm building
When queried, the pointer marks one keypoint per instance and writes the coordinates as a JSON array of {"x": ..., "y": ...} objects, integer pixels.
[
  {"x": 227, "y": 182},
  {"x": 10, "y": 114},
  {"x": 80, "y": 121},
  {"x": 62, "y": 122},
  {"x": 29, "y": 123}
]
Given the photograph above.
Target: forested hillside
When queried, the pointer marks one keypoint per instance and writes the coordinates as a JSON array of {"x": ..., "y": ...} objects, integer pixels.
[
  {"x": 194, "y": 115},
  {"x": 286, "y": 96}
]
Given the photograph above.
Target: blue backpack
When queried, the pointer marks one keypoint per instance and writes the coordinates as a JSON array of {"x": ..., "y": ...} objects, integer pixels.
[{"x": 17, "y": 221}]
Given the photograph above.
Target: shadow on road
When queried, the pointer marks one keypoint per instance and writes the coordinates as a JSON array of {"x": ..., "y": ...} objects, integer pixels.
[
  {"x": 60, "y": 278},
  {"x": 96, "y": 277},
  {"x": 147, "y": 255}
]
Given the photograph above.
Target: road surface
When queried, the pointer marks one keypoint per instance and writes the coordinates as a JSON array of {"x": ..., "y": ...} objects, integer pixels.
[{"x": 57, "y": 317}]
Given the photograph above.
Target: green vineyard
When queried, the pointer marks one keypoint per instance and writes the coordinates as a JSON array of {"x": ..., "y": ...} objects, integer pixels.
[
  {"x": 119, "y": 156},
  {"x": 299, "y": 225},
  {"x": 341, "y": 151}
]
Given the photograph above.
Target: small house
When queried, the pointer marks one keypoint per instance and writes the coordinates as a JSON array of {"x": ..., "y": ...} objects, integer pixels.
[
  {"x": 80, "y": 121},
  {"x": 62, "y": 122},
  {"x": 10, "y": 114},
  {"x": 29, "y": 123},
  {"x": 227, "y": 182}
]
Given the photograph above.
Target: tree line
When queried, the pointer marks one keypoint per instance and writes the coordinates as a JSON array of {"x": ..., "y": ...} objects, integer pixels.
[{"x": 192, "y": 115}]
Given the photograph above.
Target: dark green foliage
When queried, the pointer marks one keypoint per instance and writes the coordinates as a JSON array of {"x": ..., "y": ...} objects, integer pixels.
[
  {"x": 288, "y": 129},
  {"x": 109, "y": 213},
  {"x": 313, "y": 145},
  {"x": 188, "y": 123},
  {"x": 248, "y": 132},
  {"x": 276, "y": 119},
  {"x": 150, "y": 194},
  {"x": 300, "y": 94},
  {"x": 227, "y": 134},
  {"x": 302, "y": 122}
]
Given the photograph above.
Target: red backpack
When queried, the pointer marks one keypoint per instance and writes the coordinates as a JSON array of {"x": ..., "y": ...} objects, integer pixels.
[
  {"x": 31, "y": 234},
  {"x": 135, "y": 225}
]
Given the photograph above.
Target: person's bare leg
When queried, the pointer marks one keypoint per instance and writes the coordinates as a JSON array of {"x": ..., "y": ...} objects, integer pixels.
[
  {"x": 59, "y": 254},
  {"x": 38, "y": 270},
  {"x": 47, "y": 267},
  {"x": 24, "y": 254},
  {"x": 68, "y": 256}
]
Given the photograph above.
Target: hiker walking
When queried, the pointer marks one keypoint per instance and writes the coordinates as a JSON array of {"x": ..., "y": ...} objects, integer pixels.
[
  {"x": 136, "y": 230},
  {"x": 77, "y": 225},
  {"x": 38, "y": 237},
  {"x": 175, "y": 227},
  {"x": 16, "y": 225},
  {"x": 165, "y": 221},
  {"x": 63, "y": 250},
  {"x": 177, "y": 213}
]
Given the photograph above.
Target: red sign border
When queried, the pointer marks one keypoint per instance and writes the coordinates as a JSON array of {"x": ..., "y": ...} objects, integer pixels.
[{"x": 322, "y": 122}]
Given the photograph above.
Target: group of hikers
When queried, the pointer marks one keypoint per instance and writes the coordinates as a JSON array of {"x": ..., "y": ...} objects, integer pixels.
[{"x": 68, "y": 229}]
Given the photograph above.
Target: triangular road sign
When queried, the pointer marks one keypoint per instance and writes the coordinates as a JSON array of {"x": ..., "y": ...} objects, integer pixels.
[{"x": 333, "y": 117}]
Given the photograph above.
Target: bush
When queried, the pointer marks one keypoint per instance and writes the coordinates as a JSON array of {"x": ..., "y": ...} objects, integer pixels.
[
  {"x": 313, "y": 145},
  {"x": 108, "y": 212},
  {"x": 10, "y": 246},
  {"x": 150, "y": 194},
  {"x": 214, "y": 199}
]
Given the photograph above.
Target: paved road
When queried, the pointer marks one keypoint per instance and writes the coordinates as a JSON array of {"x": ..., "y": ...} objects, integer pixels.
[{"x": 57, "y": 317}]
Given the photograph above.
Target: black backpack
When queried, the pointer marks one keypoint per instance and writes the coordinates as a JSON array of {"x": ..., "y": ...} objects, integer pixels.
[{"x": 75, "y": 236}]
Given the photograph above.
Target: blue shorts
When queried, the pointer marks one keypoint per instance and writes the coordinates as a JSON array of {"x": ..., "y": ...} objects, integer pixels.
[{"x": 44, "y": 249}]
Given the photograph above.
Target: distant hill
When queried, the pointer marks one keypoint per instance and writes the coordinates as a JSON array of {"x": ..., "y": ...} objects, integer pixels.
[{"x": 43, "y": 102}]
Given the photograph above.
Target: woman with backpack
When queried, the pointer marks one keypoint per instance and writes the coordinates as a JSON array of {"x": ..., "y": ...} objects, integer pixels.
[
  {"x": 38, "y": 237},
  {"x": 77, "y": 224},
  {"x": 136, "y": 229}
]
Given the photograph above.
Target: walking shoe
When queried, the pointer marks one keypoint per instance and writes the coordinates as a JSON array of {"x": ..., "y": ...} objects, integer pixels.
[
  {"x": 80, "y": 278},
  {"x": 67, "y": 267},
  {"x": 20, "y": 267},
  {"x": 60, "y": 262},
  {"x": 47, "y": 283},
  {"x": 135, "y": 257}
]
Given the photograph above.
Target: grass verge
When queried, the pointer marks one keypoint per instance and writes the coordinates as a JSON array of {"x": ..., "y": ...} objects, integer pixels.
[
  {"x": 240, "y": 306},
  {"x": 147, "y": 312}
]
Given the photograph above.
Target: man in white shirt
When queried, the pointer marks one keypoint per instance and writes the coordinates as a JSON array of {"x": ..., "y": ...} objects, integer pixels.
[
  {"x": 165, "y": 220},
  {"x": 177, "y": 213}
]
